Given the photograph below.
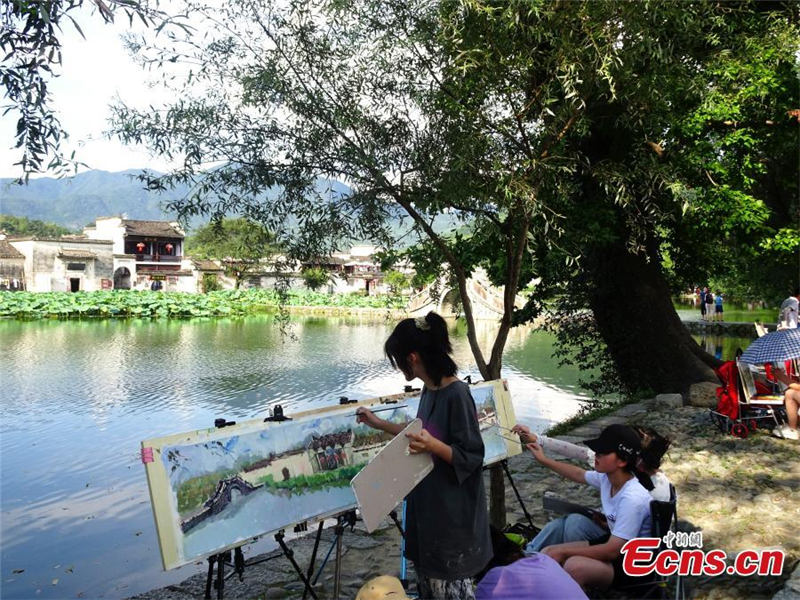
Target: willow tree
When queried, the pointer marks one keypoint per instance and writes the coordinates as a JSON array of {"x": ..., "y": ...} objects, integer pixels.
[
  {"x": 422, "y": 108},
  {"x": 279, "y": 96},
  {"x": 31, "y": 34}
]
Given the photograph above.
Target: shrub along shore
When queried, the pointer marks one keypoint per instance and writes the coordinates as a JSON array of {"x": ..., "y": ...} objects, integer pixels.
[{"x": 163, "y": 305}]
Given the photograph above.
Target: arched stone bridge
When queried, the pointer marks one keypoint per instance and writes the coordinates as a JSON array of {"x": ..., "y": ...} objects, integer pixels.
[
  {"x": 487, "y": 300},
  {"x": 226, "y": 490}
]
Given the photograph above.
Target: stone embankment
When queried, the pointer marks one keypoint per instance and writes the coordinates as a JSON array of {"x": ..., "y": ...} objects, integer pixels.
[
  {"x": 725, "y": 328},
  {"x": 386, "y": 314},
  {"x": 741, "y": 493}
]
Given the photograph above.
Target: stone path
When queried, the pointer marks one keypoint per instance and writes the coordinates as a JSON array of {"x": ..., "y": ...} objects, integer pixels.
[{"x": 742, "y": 494}]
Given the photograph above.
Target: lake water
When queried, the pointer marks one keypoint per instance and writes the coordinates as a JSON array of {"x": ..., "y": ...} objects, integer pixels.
[{"x": 78, "y": 398}]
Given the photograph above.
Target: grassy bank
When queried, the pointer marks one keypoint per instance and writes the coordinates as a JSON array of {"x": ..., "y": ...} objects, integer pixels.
[
  {"x": 147, "y": 304},
  {"x": 594, "y": 410}
]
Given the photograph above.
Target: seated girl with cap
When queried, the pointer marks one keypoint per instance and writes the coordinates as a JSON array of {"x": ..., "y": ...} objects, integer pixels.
[
  {"x": 595, "y": 560},
  {"x": 654, "y": 447}
]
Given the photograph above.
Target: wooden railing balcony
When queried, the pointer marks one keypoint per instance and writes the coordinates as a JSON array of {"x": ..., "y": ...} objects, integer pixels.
[{"x": 158, "y": 258}]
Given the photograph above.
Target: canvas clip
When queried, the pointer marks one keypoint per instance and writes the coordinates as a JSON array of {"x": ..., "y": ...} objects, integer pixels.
[{"x": 147, "y": 455}]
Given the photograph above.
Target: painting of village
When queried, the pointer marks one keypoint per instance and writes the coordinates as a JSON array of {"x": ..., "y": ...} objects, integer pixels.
[{"x": 231, "y": 488}]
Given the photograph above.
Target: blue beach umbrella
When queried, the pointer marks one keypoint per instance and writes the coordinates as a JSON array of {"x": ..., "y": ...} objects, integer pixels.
[{"x": 773, "y": 347}]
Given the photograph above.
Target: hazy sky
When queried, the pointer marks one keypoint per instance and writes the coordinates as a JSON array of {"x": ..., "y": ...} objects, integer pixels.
[{"x": 95, "y": 70}]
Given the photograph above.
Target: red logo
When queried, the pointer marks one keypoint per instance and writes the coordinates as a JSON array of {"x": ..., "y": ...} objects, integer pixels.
[{"x": 641, "y": 556}]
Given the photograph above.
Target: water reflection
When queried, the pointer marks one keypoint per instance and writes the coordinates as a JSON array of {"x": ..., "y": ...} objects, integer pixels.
[
  {"x": 722, "y": 347},
  {"x": 78, "y": 398}
]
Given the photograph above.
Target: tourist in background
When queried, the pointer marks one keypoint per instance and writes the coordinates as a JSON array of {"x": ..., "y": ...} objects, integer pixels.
[
  {"x": 718, "y": 307},
  {"x": 703, "y": 293},
  {"x": 709, "y": 305}
]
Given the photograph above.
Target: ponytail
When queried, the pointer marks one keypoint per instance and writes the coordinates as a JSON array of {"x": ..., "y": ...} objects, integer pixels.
[
  {"x": 426, "y": 336},
  {"x": 654, "y": 446},
  {"x": 644, "y": 479}
]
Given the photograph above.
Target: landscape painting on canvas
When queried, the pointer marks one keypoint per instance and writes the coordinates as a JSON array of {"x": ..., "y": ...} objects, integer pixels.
[{"x": 214, "y": 489}]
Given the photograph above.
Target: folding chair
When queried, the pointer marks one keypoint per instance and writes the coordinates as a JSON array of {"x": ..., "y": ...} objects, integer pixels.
[
  {"x": 755, "y": 406},
  {"x": 664, "y": 518}
]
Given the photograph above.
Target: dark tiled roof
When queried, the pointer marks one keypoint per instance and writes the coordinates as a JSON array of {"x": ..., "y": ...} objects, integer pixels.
[
  {"x": 206, "y": 265},
  {"x": 8, "y": 251},
  {"x": 71, "y": 239},
  {"x": 151, "y": 228},
  {"x": 327, "y": 260}
]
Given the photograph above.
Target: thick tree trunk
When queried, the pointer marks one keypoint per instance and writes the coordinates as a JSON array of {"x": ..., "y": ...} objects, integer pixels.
[
  {"x": 628, "y": 294},
  {"x": 646, "y": 339}
]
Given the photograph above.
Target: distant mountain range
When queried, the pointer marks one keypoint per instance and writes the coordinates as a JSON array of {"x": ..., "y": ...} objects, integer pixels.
[{"x": 77, "y": 201}]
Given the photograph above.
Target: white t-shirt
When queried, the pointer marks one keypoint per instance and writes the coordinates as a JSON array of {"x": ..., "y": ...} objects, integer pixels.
[
  {"x": 628, "y": 511},
  {"x": 660, "y": 481},
  {"x": 788, "y": 315}
]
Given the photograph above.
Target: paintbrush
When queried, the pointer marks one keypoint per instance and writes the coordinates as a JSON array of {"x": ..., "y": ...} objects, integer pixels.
[
  {"x": 355, "y": 414},
  {"x": 515, "y": 441},
  {"x": 504, "y": 428},
  {"x": 521, "y": 435}
]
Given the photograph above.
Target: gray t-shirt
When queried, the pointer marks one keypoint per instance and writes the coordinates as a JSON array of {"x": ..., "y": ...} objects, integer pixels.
[{"x": 447, "y": 525}]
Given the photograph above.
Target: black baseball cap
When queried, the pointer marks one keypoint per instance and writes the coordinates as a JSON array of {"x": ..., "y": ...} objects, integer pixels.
[{"x": 617, "y": 438}]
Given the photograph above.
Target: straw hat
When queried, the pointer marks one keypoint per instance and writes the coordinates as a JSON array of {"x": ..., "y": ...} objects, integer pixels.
[{"x": 384, "y": 587}]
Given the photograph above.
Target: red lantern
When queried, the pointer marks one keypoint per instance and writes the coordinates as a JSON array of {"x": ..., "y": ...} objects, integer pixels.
[
  {"x": 140, "y": 247},
  {"x": 168, "y": 248}
]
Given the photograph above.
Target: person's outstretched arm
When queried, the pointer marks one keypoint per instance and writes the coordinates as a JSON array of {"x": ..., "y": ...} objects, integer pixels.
[
  {"x": 366, "y": 416},
  {"x": 553, "y": 445},
  {"x": 564, "y": 469}
]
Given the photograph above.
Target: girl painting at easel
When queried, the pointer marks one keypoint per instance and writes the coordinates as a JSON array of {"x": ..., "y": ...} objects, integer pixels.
[{"x": 447, "y": 527}]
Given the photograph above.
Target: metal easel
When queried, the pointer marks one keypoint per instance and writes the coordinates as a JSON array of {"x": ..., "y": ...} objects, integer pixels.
[
  {"x": 239, "y": 564},
  {"x": 223, "y": 559}
]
